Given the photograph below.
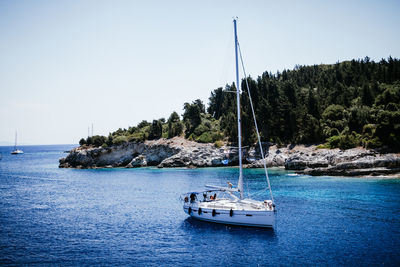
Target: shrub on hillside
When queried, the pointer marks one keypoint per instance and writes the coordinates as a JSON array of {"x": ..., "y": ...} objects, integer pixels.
[
  {"x": 82, "y": 142},
  {"x": 119, "y": 140},
  {"x": 137, "y": 137},
  {"x": 218, "y": 143},
  {"x": 97, "y": 140}
]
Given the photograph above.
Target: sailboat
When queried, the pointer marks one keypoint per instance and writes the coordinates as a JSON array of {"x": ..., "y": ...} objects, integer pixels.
[
  {"x": 228, "y": 205},
  {"x": 16, "y": 151}
]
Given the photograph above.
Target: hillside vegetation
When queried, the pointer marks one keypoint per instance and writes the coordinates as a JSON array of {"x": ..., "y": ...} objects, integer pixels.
[{"x": 347, "y": 104}]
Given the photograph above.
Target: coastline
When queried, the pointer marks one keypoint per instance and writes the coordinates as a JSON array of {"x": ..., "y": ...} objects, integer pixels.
[{"x": 179, "y": 152}]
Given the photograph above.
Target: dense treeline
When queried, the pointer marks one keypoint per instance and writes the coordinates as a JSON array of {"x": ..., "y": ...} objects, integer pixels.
[{"x": 344, "y": 105}]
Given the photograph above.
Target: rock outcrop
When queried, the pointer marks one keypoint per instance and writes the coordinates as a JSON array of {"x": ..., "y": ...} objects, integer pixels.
[
  {"x": 175, "y": 152},
  {"x": 118, "y": 156},
  {"x": 369, "y": 165},
  {"x": 179, "y": 152},
  {"x": 336, "y": 162}
]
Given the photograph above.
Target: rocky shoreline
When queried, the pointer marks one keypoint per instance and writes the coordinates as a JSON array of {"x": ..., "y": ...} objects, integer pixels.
[{"x": 179, "y": 152}]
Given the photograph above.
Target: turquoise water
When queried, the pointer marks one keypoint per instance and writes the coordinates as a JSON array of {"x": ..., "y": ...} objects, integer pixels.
[{"x": 133, "y": 217}]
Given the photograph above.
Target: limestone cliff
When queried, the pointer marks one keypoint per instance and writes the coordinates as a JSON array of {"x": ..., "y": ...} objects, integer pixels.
[{"x": 179, "y": 152}]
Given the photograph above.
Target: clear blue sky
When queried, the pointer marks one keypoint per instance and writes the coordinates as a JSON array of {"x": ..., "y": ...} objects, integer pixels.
[{"x": 67, "y": 64}]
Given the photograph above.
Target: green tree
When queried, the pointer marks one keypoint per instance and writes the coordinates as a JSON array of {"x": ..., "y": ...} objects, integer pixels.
[
  {"x": 98, "y": 140},
  {"x": 310, "y": 130},
  {"x": 215, "y": 103},
  {"x": 201, "y": 105},
  {"x": 82, "y": 142},
  {"x": 143, "y": 124},
  {"x": 109, "y": 140},
  {"x": 174, "y": 117},
  {"x": 229, "y": 125},
  {"x": 191, "y": 117},
  {"x": 88, "y": 140},
  {"x": 248, "y": 129},
  {"x": 358, "y": 117},
  {"x": 175, "y": 126},
  {"x": 333, "y": 120},
  {"x": 119, "y": 140},
  {"x": 367, "y": 96},
  {"x": 155, "y": 130},
  {"x": 312, "y": 104}
]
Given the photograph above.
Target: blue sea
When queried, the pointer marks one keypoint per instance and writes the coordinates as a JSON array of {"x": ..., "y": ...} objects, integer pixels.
[{"x": 52, "y": 216}]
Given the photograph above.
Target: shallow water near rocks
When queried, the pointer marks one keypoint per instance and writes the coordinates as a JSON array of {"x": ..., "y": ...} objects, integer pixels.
[{"x": 133, "y": 217}]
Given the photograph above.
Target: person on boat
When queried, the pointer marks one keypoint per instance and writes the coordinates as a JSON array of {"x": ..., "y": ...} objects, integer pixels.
[
  {"x": 268, "y": 204},
  {"x": 214, "y": 197},
  {"x": 230, "y": 185},
  {"x": 192, "y": 197}
]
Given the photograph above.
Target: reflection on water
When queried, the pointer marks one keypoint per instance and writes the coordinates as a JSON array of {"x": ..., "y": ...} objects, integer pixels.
[{"x": 194, "y": 227}]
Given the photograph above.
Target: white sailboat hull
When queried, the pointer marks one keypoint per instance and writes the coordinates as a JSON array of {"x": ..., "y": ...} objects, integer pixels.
[
  {"x": 16, "y": 152},
  {"x": 263, "y": 218}
]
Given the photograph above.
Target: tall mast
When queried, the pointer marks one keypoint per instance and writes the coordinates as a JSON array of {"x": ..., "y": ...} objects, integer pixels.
[
  {"x": 15, "y": 146},
  {"x": 240, "y": 183}
]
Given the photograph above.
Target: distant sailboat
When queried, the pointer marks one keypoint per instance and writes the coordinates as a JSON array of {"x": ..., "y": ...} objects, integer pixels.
[{"x": 16, "y": 151}]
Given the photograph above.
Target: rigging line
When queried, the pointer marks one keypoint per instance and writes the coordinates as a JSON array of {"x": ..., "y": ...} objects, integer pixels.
[
  {"x": 255, "y": 123},
  {"x": 259, "y": 192}
]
